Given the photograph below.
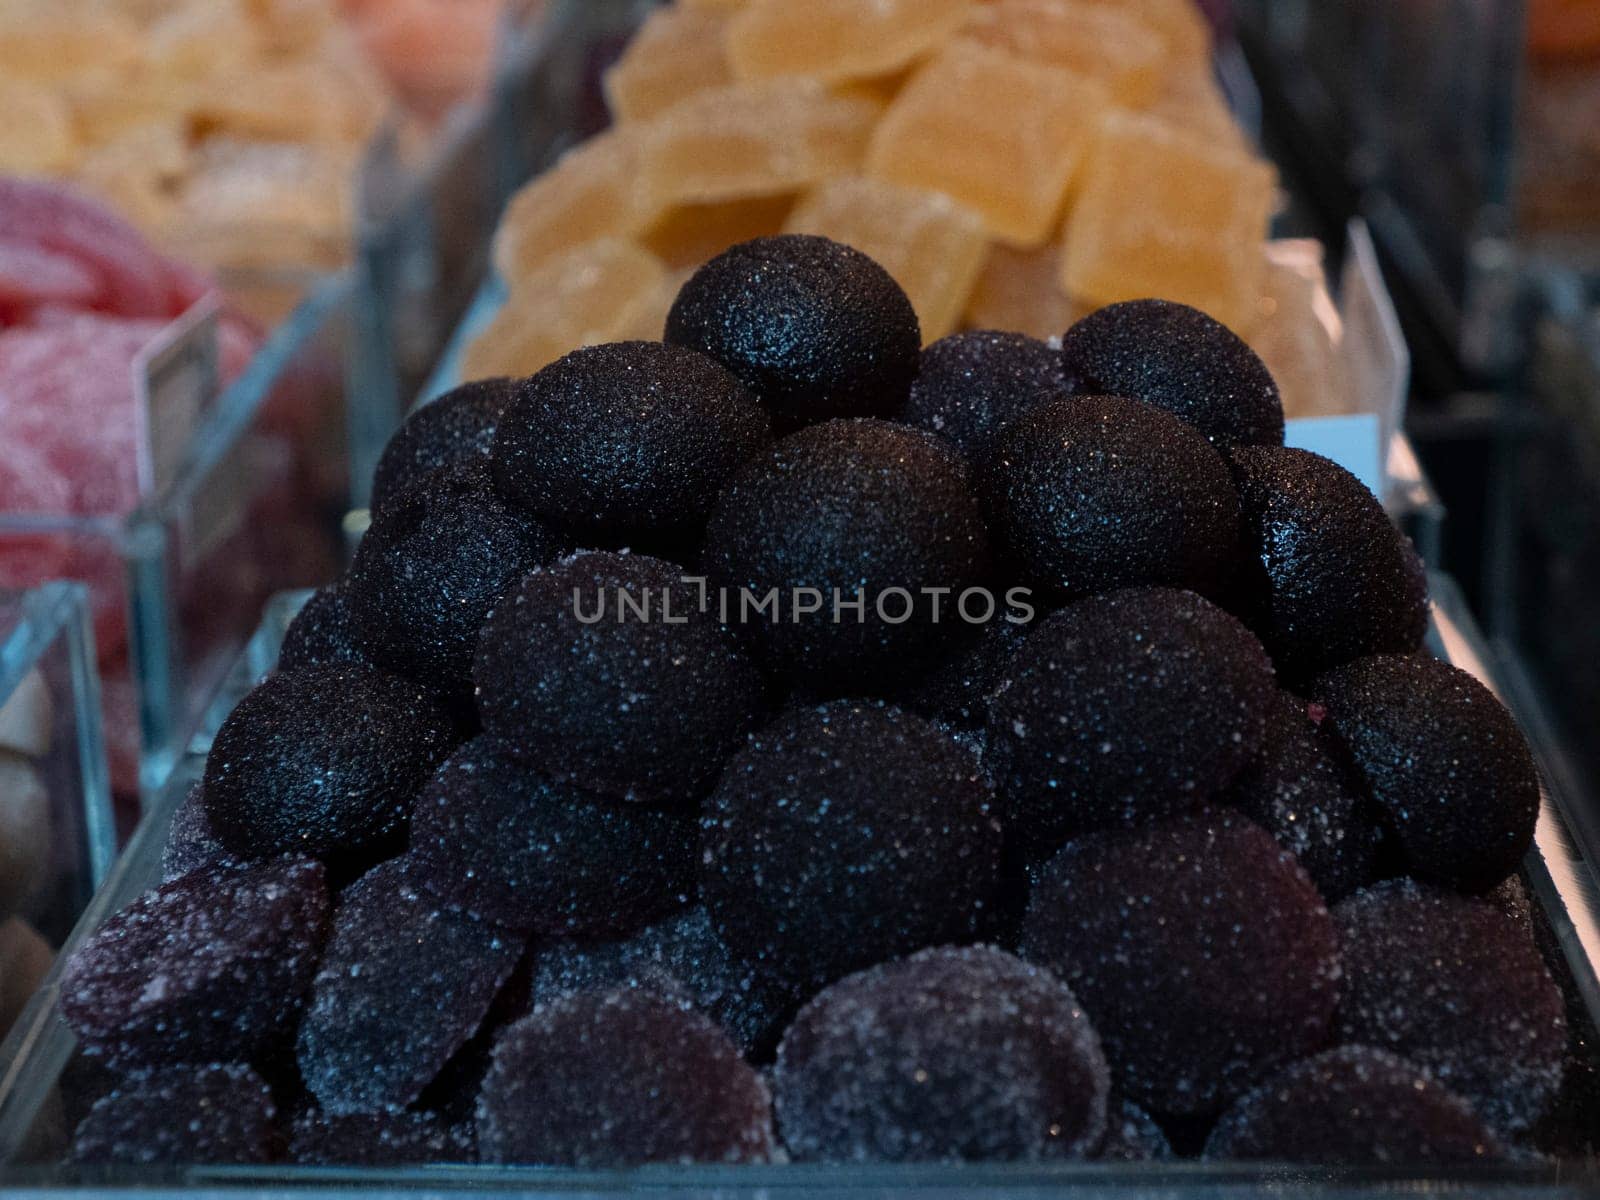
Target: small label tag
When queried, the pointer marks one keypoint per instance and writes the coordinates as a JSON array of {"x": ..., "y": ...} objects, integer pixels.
[{"x": 176, "y": 379}]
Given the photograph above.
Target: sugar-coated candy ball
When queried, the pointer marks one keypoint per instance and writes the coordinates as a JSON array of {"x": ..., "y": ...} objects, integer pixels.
[
  {"x": 1094, "y": 493},
  {"x": 1122, "y": 708},
  {"x": 456, "y": 427},
  {"x": 1132, "y": 1135},
  {"x": 386, "y": 1139},
  {"x": 621, "y": 1078},
  {"x": 951, "y": 1055},
  {"x": 1179, "y": 359},
  {"x": 972, "y": 385},
  {"x": 206, "y": 967},
  {"x": 324, "y": 761},
  {"x": 1457, "y": 987},
  {"x": 430, "y": 569},
  {"x": 628, "y": 440},
  {"x": 843, "y": 835},
  {"x": 402, "y": 985},
  {"x": 603, "y": 670},
  {"x": 956, "y": 689},
  {"x": 813, "y": 328},
  {"x": 1443, "y": 760},
  {"x": 1330, "y": 578},
  {"x": 1200, "y": 950},
  {"x": 191, "y": 842},
  {"x": 493, "y": 837},
  {"x": 865, "y": 513},
  {"x": 1353, "y": 1106},
  {"x": 323, "y": 633},
  {"x": 220, "y": 1114},
  {"x": 1301, "y": 792}
]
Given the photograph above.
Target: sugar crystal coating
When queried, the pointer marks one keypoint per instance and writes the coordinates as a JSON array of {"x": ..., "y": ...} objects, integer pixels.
[
  {"x": 497, "y": 839},
  {"x": 402, "y": 986},
  {"x": 1353, "y": 1106},
  {"x": 620, "y": 1078},
  {"x": 456, "y": 427},
  {"x": 1200, "y": 950},
  {"x": 1331, "y": 578},
  {"x": 1457, "y": 987},
  {"x": 1122, "y": 708},
  {"x": 645, "y": 708},
  {"x": 950, "y": 1055},
  {"x": 1179, "y": 359},
  {"x": 378, "y": 1140},
  {"x": 1093, "y": 493},
  {"x": 208, "y": 966},
  {"x": 1132, "y": 1135},
  {"x": 972, "y": 385},
  {"x": 324, "y": 761},
  {"x": 177, "y": 1116},
  {"x": 845, "y": 834},
  {"x": 957, "y": 688},
  {"x": 191, "y": 842},
  {"x": 322, "y": 633},
  {"x": 814, "y": 329}
]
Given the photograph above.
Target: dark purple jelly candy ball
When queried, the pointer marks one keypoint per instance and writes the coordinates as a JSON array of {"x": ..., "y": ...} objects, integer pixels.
[
  {"x": 179, "y": 1116},
  {"x": 846, "y": 834},
  {"x": 621, "y": 1078},
  {"x": 1354, "y": 1106},
  {"x": 457, "y": 427},
  {"x": 323, "y": 632},
  {"x": 814, "y": 329},
  {"x": 1444, "y": 761},
  {"x": 957, "y": 688},
  {"x": 602, "y": 670},
  {"x": 1200, "y": 949},
  {"x": 403, "y": 984},
  {"x": 323, "y": 761},
  {"x": 206, "y": 967},
  {"x": 861, "y": 513},
  {"x": 1303, "y": 794},
  {"x": 1132, "y": 1135},
  {"x": 1090, "y": 494},
  {"x": 626, "y": 440},
  {"x": 951, "y": 1055},
  {"x": 1179, "y": 359},
  {"x": 492, "y": 836},
  {"x": 972, "y": 385},
  {"x": 431, "y": 568},
  {"x": 1330, "y": 577},
  {"x": 1457, "y": 987},
  {"x": 191, "y": 842},
  {"x": 387, "y": 1139},
  {"x": 1123, "y": 708}
]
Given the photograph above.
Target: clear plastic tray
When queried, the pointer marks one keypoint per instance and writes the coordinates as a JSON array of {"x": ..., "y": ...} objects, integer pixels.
[{"x": 1558, "y": 871}]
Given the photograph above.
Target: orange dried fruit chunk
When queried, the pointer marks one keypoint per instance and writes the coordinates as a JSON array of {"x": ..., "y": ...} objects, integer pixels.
[
  {"x": 999, "y": 135},
  {"x": 36, "y": 137},
  {"x": 1020, "y": 291},
  {"x": 676, "y": 53},
  {"x": 837, "y": 40},
  {"x": 1191, "y": 99},
  {"x": 1180, "y": 23},
  {"x": 1294, "y": 331},
  {"x": 689, "y": 234},
  {"x": 647, "y": 321},
  {"x": 932, "y": 246},
  {"x": 1161, "y": 213},
  {"x": 1095, "y": 40}
]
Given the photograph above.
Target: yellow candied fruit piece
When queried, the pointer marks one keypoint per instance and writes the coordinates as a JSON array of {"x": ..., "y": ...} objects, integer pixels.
[
  {"x": 1294, "y": 332},
  {"x": 753, "y": 139},
  {"x": 676, "y": 53},
  {"x": 1020, "y": 291},
  {"x": 1095, "y": 40},
  {"x": 647, "y": 321},
  {"x": 1191, "y": 99},
  {"x": 66, "y": 47},
  {"x": 36, "y": 135},
  {"x": 1000, "y": 135},
  {"x": 1180, "y": 23},
  {"x": 838, "y": 40},
  {"x": 584, "y": 296},
  {"x": 688, "y": 235},
  {"x": 1162, "y": 213},
  {"x": 715, "y": 5},
  {"x": 932, "y": 246}
]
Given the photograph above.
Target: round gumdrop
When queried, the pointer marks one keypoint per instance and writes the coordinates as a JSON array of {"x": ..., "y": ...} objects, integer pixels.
[
  {"x": 430, "y": 569},
  {"x": 1330, "y": 578},
  {"x": 1093, "y": 493},
  {"x": 1353, "y": 1106},
  {"x": 602, "y": 670},
  {"x": 1302, "y": 793},
  {"x": 1457, "y": 987},
  {"x": 206, "y": 967},
  {"x": 1200, "y": 950},
  {"x": 191, "y": 842},
  {"x": 951, "y": 1055},
  {"x": 386, "y": 1139},
  {"x": 813, "y": 328},
  {"x": 633, "y": 439},
  {"x": 1443, "y": 760},
  {"x": 1179, "y": 359},
  {"x": 843, "y": 835},
  {"x": 865, "y": 535},
  {"x": 1123, "y": 708},
  {"x": 620, "y": 1078},
  {"x": 322, "y": 633},
  {"x": 972, "y": 385},
  {"x": 457, "y": 427},
  {"x": 956, "y": 689},
  {"x": 324, "y": 761},
  {"x": 1132, "y": 1135},
  {"x": 493, "y": 837},
  {"x": 180, "y": 1116}
]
